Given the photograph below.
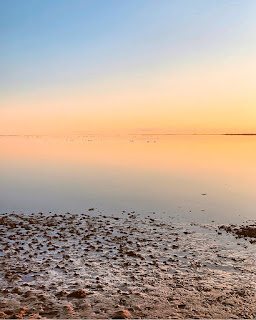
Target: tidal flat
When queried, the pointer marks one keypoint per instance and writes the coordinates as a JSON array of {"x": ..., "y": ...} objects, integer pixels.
[{"x": 93, "y": 265}]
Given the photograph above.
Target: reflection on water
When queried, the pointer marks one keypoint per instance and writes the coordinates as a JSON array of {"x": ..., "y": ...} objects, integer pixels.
[{"x": 165, "y": 174}]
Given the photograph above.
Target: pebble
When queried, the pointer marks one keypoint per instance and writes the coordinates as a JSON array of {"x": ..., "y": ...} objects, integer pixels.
[
  {"x": 79, "y": 294},
  {"x": 122, "y": 314}
]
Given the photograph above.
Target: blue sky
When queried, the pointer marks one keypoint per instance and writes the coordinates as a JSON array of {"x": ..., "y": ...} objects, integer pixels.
[
  {"x": 67, "y": 44},
  {"x": 51, "y": 41}
]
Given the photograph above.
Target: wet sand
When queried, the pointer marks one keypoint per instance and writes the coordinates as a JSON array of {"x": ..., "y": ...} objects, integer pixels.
[{"x": 97, "y": 266}]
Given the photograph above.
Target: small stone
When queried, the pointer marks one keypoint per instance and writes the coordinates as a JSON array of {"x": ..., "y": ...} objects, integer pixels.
[
  {"x": 3, "y": 315},
  {"x": 179, "y": 304},
  {"x": 138, "y": 307},
  {"x": 121, "y": 314},
  {"x": 79, "y": 294},
  {"x": 17, "y": 290},
  {"x": 69, "y": 308},
  {"x": 35, "y": 316},
  {"x": 134, "y": 254},
  {"x": 62, "y": 293},
  {"x": 19, "y": 315}
]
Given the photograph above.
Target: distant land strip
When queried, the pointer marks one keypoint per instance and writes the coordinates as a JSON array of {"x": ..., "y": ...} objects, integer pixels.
[
  {"x": 239, "y": 134},
  {"x": 194, "y": 134},
  {"x": 134, "y": 134}
]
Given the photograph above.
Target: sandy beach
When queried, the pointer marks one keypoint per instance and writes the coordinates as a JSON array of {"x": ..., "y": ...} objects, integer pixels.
[{"x": 96, "y": 266}]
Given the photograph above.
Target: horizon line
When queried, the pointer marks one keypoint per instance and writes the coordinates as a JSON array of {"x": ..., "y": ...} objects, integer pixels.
[{"x": 138, "y": 134}]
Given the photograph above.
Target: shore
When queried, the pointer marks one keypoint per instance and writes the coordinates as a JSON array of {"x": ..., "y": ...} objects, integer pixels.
[{"x": 98, "y": 266}]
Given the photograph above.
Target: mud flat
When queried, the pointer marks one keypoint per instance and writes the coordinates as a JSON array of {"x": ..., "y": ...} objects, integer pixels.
[{"x": 97, "y": 266}]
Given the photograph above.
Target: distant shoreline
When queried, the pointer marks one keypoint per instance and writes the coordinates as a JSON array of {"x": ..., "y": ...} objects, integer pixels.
[
  {"x": 194, "y": 134},
  {"x": 132, "y": 134}
]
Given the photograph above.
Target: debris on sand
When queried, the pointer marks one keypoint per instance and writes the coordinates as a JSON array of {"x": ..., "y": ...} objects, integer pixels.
[
  {"x": 73, "y": 266},
  {"x": 248, "y": 231}
]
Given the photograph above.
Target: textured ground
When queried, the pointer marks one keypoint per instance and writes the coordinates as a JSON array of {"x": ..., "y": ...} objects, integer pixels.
[{"x": 92, "y": 266}]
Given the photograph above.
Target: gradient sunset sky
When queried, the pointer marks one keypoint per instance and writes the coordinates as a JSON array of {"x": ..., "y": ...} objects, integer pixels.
[{"x": 134, "y": 66}]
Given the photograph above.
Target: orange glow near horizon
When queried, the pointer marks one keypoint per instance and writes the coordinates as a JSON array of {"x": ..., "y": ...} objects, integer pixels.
[
  {"x": 206, "y": 98},
  {"x": 181, "y": 154}
]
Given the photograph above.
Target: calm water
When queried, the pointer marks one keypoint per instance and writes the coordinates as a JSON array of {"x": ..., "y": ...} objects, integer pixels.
[{"x": 162, "y": 174}]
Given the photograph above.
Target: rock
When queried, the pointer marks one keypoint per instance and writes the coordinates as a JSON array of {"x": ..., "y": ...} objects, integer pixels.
[
  {"x": 62, "y": 293},
  {"x": 35, "y": 316},
  {"x": 179, "y": 304},
  {"x": 29, "y": 293},
  {"x": 69, "y": 308},
  {"x": 17, "y": 290},
  {"x": 138, "y": 307},
  {"x": 134, "y": 254},
  {"x": 19, "y": 315},
  {"x": 3, "y": 315},
  {"x": 121, "y": 314},
  {"x": 79, "y": 294}
]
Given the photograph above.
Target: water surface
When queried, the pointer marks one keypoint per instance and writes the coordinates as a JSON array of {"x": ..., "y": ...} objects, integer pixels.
[{"x": 155, "y": 173}]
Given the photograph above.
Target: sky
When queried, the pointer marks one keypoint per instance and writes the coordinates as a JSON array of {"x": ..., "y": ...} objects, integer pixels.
[{"x": 137, "y": 66}]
